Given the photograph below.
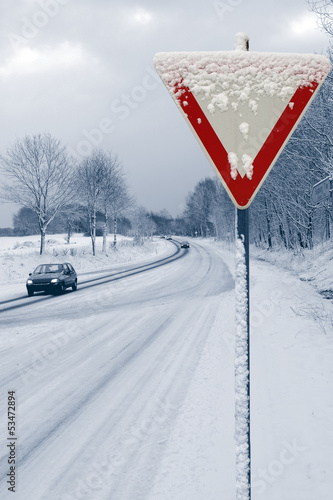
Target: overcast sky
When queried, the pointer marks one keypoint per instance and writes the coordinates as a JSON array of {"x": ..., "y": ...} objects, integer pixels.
[{"x": 83, "y": 70}]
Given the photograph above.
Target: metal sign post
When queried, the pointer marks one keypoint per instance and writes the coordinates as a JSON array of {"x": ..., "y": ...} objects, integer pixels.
[
  {"x": 242, "y": 354},
  {"x": 242, "y": 342}
]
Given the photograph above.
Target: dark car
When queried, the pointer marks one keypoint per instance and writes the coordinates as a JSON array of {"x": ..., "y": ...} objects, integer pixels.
[
  {"x": 52, "y": 278},
  {"x": 185, "y": 244}
]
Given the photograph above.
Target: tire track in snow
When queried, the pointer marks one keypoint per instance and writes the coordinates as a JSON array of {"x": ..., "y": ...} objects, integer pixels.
[
  {"x": 49, "y": 434},
  {"x": 144, "y": 462},
  {"x": 54, "y": 433}
]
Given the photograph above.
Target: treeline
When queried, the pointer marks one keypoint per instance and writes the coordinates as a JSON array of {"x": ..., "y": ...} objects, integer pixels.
[
  {"x": 58, "y": 193},
  {"x": 138, "y": 223},
  {"x": 25, "y": 223}
]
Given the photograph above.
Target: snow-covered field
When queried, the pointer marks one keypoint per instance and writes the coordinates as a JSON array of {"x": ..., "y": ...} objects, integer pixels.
[
  {"x": 125, "y": 391},
  {"x": 19, "y": 255}
]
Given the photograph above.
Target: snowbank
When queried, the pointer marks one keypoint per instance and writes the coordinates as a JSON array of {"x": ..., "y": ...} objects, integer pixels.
[
  {"x": 20, "y": 255},
  {"x": 313, "y": 266}
]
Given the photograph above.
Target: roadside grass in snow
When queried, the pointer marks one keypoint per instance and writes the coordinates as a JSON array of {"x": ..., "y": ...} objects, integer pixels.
[{"x": 312, "y": 266}]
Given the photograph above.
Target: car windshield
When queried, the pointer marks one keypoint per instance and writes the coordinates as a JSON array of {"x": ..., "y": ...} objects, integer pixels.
[{"x": 48, "y": 268}]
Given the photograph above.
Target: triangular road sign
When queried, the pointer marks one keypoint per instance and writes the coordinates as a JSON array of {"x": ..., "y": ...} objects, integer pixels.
[{"x": 242, "y": 107}]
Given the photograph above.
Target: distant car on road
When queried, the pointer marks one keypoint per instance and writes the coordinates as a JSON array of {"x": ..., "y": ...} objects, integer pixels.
[
  {"x": 185, "y": 244},
  {"x": 168, "y": 238},
  {"x": 52, "y": 278}
]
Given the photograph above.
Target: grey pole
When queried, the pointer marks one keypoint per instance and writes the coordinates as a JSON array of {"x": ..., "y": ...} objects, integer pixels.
[{"x": 242, "y": 233}]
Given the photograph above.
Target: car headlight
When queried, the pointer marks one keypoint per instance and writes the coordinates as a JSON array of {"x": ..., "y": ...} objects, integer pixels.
[
  {"x": 55, "y": 280},
  {"x": 30, "y": 282}
]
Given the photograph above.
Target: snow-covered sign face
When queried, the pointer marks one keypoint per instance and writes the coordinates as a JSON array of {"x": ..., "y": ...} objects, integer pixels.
[{"x": 242, "y": 106}]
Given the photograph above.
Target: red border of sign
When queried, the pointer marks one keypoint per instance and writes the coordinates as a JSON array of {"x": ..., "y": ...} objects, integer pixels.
[{"x": 244, "y": 189}]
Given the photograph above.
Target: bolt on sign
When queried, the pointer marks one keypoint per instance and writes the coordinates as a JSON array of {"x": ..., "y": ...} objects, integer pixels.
[{"x": 242, "y": 107}]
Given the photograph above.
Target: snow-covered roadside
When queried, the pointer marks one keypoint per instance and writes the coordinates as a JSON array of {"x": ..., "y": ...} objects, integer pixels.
[
  {"x": 291, "y": 387},
  {"x": 291, "y": 397},
  {"x": 20, "y": 255},
  {"x": 314, "y": 266}
]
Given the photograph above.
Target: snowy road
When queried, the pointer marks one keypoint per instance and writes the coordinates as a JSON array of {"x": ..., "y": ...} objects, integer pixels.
[
  {"x": 11, "y": 301},
  {"x": 100, "y": 376}
]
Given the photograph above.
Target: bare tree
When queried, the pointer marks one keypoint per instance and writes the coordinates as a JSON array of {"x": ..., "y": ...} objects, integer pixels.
[
  {"x": 120, "y": 202},
  {"x": 222, "y": 213},
  {"x": 90, "y": 178},
  {"x": 72, "y": 218},
  {"x": 199, "y": 207},
  {"x": 164, "y": 222},
  {"x": 115, "y": 197},
  {"x": 102, "y": 188},
  {"x": 142, "y": 224},
  {"x": 39, "y": 177},
  {"x": 324, "y": 11}
]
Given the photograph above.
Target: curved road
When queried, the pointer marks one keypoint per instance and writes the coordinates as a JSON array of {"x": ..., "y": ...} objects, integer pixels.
[
  {"x": 101, "y": 373},
  {"x": 103, "y": 276}
]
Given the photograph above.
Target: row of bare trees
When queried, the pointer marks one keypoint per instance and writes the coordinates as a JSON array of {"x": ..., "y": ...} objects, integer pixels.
[
  {"x": 102, "y": 187},
  {"x": 324, "y": 11},
  {"x": 39, "y": 174}
]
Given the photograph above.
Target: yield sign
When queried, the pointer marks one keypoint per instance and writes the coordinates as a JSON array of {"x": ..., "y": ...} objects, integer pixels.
[{"x": 242, "y": 107}]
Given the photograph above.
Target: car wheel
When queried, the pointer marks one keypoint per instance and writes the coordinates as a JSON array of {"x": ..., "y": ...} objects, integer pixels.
[
  {"x": 62, "y": 287},
  {"x": 74, "y": 286},
  {"x": 30, "y": 292}
]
